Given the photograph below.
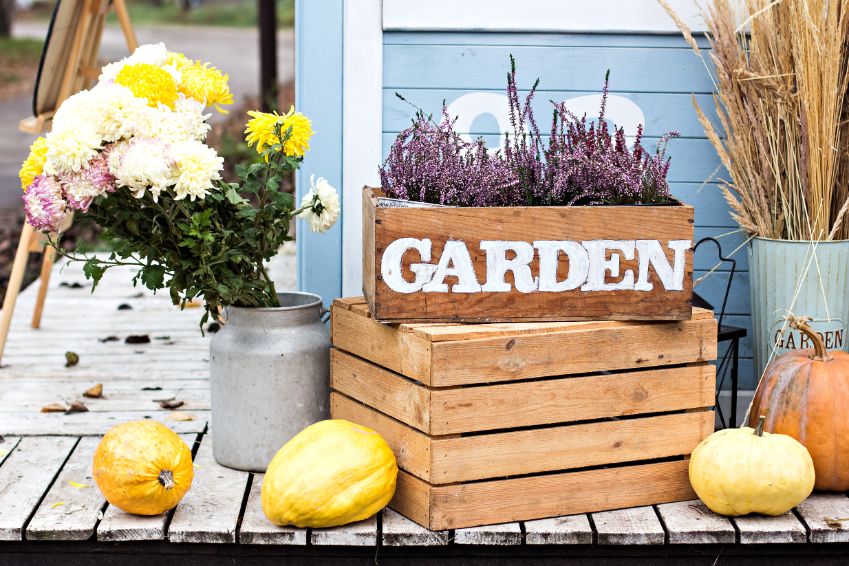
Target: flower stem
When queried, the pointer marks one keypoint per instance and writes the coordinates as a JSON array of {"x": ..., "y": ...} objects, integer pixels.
[{"x": 272, "y": 290}]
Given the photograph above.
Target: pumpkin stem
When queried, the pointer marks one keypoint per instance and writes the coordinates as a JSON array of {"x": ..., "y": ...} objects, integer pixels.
[
  {"x": 800, "y": 323},
  {"x": 166, "y": 478},
  {"x": 759, "y": 429}
]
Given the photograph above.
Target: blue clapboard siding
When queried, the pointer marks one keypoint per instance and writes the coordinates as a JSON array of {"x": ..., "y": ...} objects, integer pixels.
[{"x": 659, "y": 73}]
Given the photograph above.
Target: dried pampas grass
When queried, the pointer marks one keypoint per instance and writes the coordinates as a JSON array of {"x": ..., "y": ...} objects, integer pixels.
[{"x": 781, "y": 69}]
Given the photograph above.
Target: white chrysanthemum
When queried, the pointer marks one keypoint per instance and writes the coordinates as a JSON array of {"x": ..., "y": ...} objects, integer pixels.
[
  {"x": 70, "y": 149},
  {"x": 321, "y": 205},
  {"x": 185, "y": 122},
  {"x": 151, "y": 53},
  {"x": 143, "y": 164},
  {"x": 191, "y": 113},
  {"x": 78, "y": 111},
  {"x": 198, "y": 165},
  {"x": 119, "y": 112}
]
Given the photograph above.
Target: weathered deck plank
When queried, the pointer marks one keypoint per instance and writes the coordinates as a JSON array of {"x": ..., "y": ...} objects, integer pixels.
[
  {"x": 638, "y": 525},
  {"x": 363, "y": 533},
  {"x": 72, "y": 507},
  {"x": 827, "y": 517},
  {"x": 257, "y": 529},
  {"x": 758, "y": 529},
  {"x": 210, "y": 510},
  {"x": 506, "y": 534},
  {"x": 25, "y": 477},
  {"x": 572, "y": 529},
  {"x": 95, "y": 423},
  {"x": 691, "y": 522},
  {"x": 398, "y": 530}
]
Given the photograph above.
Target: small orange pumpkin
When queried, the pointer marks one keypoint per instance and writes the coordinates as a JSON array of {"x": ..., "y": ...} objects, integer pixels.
[
  {"x": 804, "y": 394},
  {"x": 143, "y": 467}
]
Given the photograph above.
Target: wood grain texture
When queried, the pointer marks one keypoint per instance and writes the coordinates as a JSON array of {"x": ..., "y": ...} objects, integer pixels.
[
  {"x": 571, "y": 529},
  {"x": 526, "y": 224},
  {"x": 25, "y": 477},
  {"x": 636, "y": 525},
  {"x": 827, "y": 517},
  {"x": 568, "y": 348},
  {"x": 535, "y": 497},
  {"x": 362, "y": 533},
  {"x": 473, "y": 409},
  {"x": 257, "y": 529},
  {"x": 505, "y": 534},
  {"x": 92, "y": 423},
  {"x": 70, "y": 511},
  {"x": 691, "y": 522},
  {"x": 482, "y": 456},
  {"x": 760, "y": 529},
  {"x": 210, "y": 511},
  {"x": 398, "y": 530}
]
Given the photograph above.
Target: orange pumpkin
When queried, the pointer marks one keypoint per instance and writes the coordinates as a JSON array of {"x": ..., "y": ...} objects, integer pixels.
[
  {"x": 143, "y": 467},
  {"x": 804, "y": 394}
]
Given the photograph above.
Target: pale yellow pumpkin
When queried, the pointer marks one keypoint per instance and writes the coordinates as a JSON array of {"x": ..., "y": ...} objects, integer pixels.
[
  {"x": 143, "y": 467},
  {"x": 331, "y": 473},
  {"x": 738, "y": 471}
]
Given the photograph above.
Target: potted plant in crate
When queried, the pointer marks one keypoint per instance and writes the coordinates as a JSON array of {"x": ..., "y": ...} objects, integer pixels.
[
  {"x": 783, "y": 138},
  {"x": 578, "y": 227},
  {"x": 130, "y": 155}
]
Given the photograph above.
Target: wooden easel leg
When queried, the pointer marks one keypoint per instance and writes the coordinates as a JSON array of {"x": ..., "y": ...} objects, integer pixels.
[
  {"x": 126, "y": 26},
  {"x": 15, "y": 280},
  {"x": 47, "y": 261}
]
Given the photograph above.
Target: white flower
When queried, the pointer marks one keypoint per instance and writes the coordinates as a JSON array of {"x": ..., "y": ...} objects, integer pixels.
[
  {"x": 321, "y": 205},
  {"x": 70, "y": 149},
  {"x": 143, "y": 164},
  {"x": 186, "y": 122},
  {"x": 118, "y": 113},
  {"x": 198, "y": 166},
  {"x": 151, "y": 53}
]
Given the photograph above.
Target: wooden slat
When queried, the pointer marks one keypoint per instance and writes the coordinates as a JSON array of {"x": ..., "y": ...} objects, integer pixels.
[
  {"x": 505, "y": 358},
  {"x": 118, "y": 526},
  {"x": 471, "y": 409},
  {"x": 362, "y": 533},
  {"x": 69, "y": 511},
  {"x": 257, "y": 529},
  {"x": 210, "y": 510},
  {"x": 636, "y": 525},
  {"x": 401, "y": 531},
  {"x": 759, "y": 529},
  {"x": 691, "y": 522},
  {"x": 506, "y": 534},
  {"x": 535, "y": 497},
  {"x": 827, "y": 517},
  {"x": 25, "y": 477},
  {"x": 468, "y": 458},
  {"x": 7, "y": 445},
  {"x": 93, "y": 423},
  {"x": 571, "y": 529}
]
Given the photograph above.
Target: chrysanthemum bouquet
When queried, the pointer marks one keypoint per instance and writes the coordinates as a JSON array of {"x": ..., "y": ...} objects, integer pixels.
[{"x": 129, "y": 153}]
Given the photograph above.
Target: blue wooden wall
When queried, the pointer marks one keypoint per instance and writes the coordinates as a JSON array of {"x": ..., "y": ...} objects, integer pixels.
[{"x": 659, "y": 73}]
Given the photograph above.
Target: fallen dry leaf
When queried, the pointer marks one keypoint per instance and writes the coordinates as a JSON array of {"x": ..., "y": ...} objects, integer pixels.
[
  {"x": 171, "y": 404},
  {"x": 94, "y": 392},
  {"x": 71, "y": 359},
  {"x": 78, "y": 485},
  {"x": 180, "y": 416},
  {"x": 156, "y": 388},
  {"x": 76, "y": 407},
  {"x": 125, "y": 307},
  {"x": 835, "y": 522},
  {"x": 54, "y": 408},
  {"x": 137, "y": 339},
  {"x": 193, "y": 304},
  {"x": 110, "y": 339}
]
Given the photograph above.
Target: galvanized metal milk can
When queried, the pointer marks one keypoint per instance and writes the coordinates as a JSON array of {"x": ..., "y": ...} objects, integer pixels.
[{"x": 269, "y": 373}]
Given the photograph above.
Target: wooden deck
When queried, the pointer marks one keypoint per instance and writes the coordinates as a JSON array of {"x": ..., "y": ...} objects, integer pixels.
[{"x": 50, "y": 507}]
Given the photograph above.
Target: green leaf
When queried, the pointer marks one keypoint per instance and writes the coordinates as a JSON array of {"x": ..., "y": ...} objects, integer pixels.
[
  {"x": 93, "y": 271},
  {"x": 234, "y": 197},
  {"x": 153, "y": 277}
]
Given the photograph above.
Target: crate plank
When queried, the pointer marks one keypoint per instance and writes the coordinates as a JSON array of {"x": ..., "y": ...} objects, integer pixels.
[
  {"x": 691, "y": 522},
  {"x": 68, "y": 511},
  {"x": 505, "y": 534},
  {"x": 571, "y": 529},
  {"x": 527, "y": 403},
  {"x": 535, "y": 497},
  {"x": 467, "y": 458},
  {"x": 760, "y": 529},
  {"x": 827, "y": 517},
  {"x": 25, "y": 477},
  {"x": 636, "y": 525},
  {"x": 400, "y": 531},
  {"x": 120, "y": 526},
  {"x": 362, "y": 533},
  {"x": 209, "y": 512},
  {"x": 560, "y": 351},
  {"x": 257, "y": 529}
]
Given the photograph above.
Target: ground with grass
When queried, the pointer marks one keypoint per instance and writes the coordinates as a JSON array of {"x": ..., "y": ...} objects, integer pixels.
[{"x": 18, "y": 65}]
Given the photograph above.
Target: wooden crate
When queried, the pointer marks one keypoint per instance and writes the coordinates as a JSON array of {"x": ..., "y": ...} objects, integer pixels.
[
  {"x": 503, "y": 422},
  {"x": 402, "y": 247}
]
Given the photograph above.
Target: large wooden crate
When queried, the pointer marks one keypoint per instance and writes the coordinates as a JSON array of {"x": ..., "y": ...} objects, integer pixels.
[{"x": 502, "y": 422}]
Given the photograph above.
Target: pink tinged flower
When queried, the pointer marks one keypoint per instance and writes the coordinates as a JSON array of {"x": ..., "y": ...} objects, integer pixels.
[
  {"x": 45, "y": 208},
  {"x": 83, "y": 186}
]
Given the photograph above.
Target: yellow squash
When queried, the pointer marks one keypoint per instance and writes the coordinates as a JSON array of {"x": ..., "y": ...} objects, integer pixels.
[
  {"x": 143, "y": 467},
  {"x": 331, "y": 473},
  {"x": 743, "y": 470}
]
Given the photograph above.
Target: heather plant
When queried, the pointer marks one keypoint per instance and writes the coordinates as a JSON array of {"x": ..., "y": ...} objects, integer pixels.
[{"x": 580, "y": 163}]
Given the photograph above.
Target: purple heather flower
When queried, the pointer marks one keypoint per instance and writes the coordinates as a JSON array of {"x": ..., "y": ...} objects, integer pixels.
[{"x": 45, "y": 208}]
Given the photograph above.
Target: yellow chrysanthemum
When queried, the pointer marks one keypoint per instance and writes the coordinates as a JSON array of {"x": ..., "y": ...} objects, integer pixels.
[
  {"x": 261, "y": 130},
  {"x": 150, "y": 82},
  {"x": 206, "y": 84},
  {"x": 33, "y": 165},
  {"x": 178, "y": 60}
]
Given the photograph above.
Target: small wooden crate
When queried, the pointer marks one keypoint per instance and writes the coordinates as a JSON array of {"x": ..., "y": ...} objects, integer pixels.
[{"x": 503, "y": 422}]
